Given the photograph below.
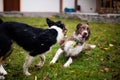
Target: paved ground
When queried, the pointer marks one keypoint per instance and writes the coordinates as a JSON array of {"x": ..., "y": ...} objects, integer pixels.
[
  {"x": 94, "y": 17},
  {"x": 29, "y": 14}
]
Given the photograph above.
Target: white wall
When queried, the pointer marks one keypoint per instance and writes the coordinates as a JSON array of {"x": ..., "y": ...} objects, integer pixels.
[
  {"x": 1, "y": 5},
  {"x": 53, "y": 5},
  {"x": 87, "y": 6},
  {"x": 40, "y": 6},
  {"x": 68, "y": 4}
]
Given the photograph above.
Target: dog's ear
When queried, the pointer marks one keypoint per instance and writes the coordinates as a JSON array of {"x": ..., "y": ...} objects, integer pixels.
[
  {"x": 61, "y": 25},
  {"x": 87, "y": 23},
  {"x": 87, "y": 38},
  {"x": 78, "y": 26},
  {"x": 50, "y": 22}
]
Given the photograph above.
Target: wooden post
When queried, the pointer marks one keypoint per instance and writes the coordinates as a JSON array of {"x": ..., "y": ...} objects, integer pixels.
[
  {"x": 76, "y": 1},
  {"x": 111, "y": 6},
  {"x": 61, "y": 6},
  {"x": 104, "y": 5},
  {"x": 97, "y": 5}
]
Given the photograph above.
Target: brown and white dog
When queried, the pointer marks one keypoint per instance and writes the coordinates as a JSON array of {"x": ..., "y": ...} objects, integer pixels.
[{"x": 73, "y": 45}]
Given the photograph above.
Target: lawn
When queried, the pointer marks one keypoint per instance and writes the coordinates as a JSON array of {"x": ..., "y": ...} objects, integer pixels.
[{"x": 101, "y": 63}]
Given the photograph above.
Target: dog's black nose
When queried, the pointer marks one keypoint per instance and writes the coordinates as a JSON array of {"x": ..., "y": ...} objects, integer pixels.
[{"x": 85, "y": 33}]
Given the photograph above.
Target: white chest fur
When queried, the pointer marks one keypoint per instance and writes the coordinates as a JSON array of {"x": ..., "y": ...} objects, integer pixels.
[
  {"x": 72, "y": 50},
  {"x": 60, "y": 35}
]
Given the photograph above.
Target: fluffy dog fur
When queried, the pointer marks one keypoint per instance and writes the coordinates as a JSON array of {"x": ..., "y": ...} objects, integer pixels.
[
  {"x": 34, "y": 40},
  {"x": 73, "y": 45}
]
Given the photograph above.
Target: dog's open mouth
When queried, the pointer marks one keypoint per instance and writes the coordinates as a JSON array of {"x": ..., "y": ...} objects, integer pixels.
[{"x": 82, "y": 37}]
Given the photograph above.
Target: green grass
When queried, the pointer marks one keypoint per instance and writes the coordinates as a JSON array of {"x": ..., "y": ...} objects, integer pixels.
[{"x": 101, "y": 63}]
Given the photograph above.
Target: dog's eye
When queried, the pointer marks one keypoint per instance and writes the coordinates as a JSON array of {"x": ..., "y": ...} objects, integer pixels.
[
  {"x": 83, "y": 27},
  {"x": 87, "y": 28}
]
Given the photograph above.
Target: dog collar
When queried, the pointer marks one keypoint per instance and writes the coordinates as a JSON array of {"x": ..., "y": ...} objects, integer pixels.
[{"x": 77, "y": 41}]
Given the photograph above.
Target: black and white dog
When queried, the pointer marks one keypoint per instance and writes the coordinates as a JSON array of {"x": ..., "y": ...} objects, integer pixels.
[
  {"x": 73, "y": 45},
  {"x": 34, "y": 40}
]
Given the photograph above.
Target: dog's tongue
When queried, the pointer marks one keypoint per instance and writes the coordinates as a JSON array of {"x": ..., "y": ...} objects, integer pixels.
[{"x": 79, "y": 35}]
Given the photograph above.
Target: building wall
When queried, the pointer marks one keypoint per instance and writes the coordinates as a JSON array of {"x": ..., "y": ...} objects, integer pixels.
[
  {"x": 68, "y": 4},
  {"x": 87, "y": 6},
  {"x": 1, "y": 5},
  {"x": 40, "y": 6}
]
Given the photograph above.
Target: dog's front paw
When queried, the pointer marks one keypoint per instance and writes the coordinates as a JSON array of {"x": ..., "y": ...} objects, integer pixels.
[
  {"x": 52, "y": 62},
  {"x": 2, "y": 77},
  {"x": 66, "y": 65},
  {"x": 92, "y": 46},
  {"x": 27, "y": 74},
  {"x": 2, "y": 71}
]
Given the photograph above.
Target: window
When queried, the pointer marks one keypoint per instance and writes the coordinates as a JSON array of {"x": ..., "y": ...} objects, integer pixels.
[{"x": 109, "y": 6}]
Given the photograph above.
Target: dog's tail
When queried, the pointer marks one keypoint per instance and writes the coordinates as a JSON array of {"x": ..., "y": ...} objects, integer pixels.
[{"x": 1, "y": 21}]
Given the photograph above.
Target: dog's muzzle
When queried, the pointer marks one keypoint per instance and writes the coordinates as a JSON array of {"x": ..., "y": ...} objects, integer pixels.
[{"x": 85, "y": 34}]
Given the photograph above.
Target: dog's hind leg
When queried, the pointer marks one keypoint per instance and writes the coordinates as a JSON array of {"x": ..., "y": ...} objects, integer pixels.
[
  {"x": 58, "y": 53},
  {"x": 88, "y": 47},
  {"x": 5, "y": 51},
  {"x": 41, "y": 63},
  {"x": 27, "y": 63},
  {"x": 68, "y": 62},
  {"x": 2, "y": 70},
  {"x": 8, "y": 53}
]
